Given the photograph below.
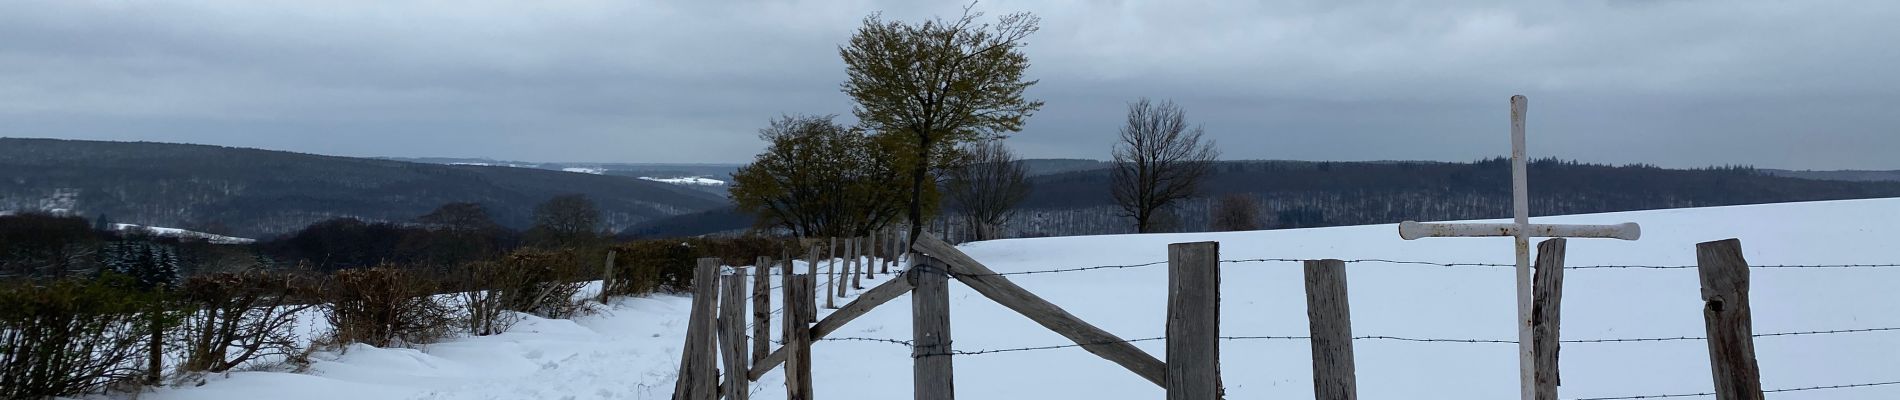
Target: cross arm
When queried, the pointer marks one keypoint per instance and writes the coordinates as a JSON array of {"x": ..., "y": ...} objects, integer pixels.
[{"x": 1410, "y": 230}]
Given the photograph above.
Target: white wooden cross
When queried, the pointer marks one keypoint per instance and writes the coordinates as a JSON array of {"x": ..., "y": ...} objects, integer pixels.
[{"x": 1522, "y": 230}]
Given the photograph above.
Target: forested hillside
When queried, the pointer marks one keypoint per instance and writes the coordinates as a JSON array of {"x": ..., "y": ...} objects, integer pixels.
[
  {"x": 250, "y": 192},
  {"x": 1311, "y": 194}
]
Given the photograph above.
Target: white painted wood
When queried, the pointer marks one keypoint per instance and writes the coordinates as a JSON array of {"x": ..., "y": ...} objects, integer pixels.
[{"x": 1521, "y": 231}]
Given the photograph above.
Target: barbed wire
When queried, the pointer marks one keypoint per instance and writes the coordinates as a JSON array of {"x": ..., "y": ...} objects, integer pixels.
[
  {"x": 1796, "y": 389},
  {"x": 1361, "y": 337},
  {"x": 1430, "y": 263}
]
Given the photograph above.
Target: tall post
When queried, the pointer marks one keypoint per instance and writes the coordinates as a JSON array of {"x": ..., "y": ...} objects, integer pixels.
[
  {"x": 835, "y": 285},
  {"x": 732, "y": 295},
  {"x": 1330, "y": 321},
  {"x": 698, "y": 376},
  {"x": 1521, "y": 216},
  {"x": 897, "y": 249},
  {"x": 797, "y": 338},
  {"x": 857, "y": 263},
  {"x": 1726, "y": 316},
  {"x": 761, "y": 308},
  {"x": 607, "y": 277},
  {"x": 870, "y": 265},
  {"x": 811, "y": 269},
  {"x": 1193, "y": 321},
  {"x": 1546, "y": 298},
  {"x": 931, "y": 372}
]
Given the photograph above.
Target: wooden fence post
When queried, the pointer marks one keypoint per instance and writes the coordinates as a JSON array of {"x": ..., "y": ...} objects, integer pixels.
[
  {"x": 732, "y": 295},
  {"x": 931, "y": 371},
  {"x": 1726, "y": 315},
  {"x": 871, "y": 247},
  {"x": 831, "y": 277},
  {"x": 797, "y": 338},
  {"x": 836, "y": 283},
  {"x": 1193, "y": 321},
  {"x": 1329, "y": 318},
  {"x": 897, "y": 251},
  {"x": 811, "y": 269},
  {"x": 857, "y": 264},
  {"x": 761, "y": 308},
  {"x": 607, "y": 277},
  {"x": 999, "y": 289},
  {"x": 698, "y": 372},
  {"x": 1547, "y": 292}
]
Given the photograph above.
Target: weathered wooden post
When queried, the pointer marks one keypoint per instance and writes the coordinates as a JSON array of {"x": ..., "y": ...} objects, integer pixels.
[
  {"x": 797, "y": 338},
  {"x": 857, "y": 264},
  {"x": 732, "y": 295},
  {"x": 698, "y": 376},
  {"x": 931, "y": 371},
  {"x": 811, "y": 269},
  {"x": 831, "y": 276},
  {"x": 897, "y": 249},
  {"x": 1193, "y": 321},
  {"x": 1546, "y": 297},
  {"x": 607, "y": 277},
  {"x": 761, "y": 307},
  {"x": 1726, "y": 316},
  {"x": 871, "y": 247},
  {"x": 1329, "y": 319}
]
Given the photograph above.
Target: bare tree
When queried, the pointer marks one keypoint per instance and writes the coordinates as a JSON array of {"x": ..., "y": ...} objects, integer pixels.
[
  {"x": 1159, "y": 161},
  {"x": 986, "y": 190},
  {"x": 1235, "y": 212}
]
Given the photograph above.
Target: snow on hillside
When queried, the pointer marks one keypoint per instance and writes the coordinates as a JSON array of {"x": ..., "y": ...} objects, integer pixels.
[
  {"x": 690, "y": 180},
  {"x": 632, "y": 351},
  {"x": 595, "y": 171},
  {"x": 183, "y": 234}
]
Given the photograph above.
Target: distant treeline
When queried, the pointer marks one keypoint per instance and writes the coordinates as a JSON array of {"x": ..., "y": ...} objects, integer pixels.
[
  {"x": 257, "y": 193},
  {"x": 1296, "y": 194}
]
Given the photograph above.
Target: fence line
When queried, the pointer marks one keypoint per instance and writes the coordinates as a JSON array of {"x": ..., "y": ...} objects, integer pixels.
[
  {"x": 1796, "y": 389},
  {"x": 1429, "y": 263}
]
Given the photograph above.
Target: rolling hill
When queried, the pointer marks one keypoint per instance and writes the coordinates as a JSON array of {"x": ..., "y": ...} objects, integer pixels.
[{"x": 258, "y": 193}]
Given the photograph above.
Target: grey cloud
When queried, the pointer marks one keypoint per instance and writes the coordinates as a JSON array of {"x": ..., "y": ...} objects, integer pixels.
[{"x": 1676, "y": 83}]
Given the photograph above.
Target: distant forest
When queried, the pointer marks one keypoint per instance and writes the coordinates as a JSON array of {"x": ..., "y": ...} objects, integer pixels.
[
  {"x": 1297, "y": 194},
  {"x": 259, "y": 193}
]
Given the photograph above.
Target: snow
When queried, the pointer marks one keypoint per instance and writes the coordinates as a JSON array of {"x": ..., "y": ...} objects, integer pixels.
[
  {"x": 595, "y": 171},
  {"x": 631, "y": 350},
  {"x": 690, "y": 180},
  {"x": 181, "y": 233}
]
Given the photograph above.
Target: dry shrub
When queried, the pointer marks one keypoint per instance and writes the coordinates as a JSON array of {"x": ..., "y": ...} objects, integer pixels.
[
  {"x": 542, "y": 282},
  {"x": 645, "y": 266},
  {"x": 70, "y": 337},
  {"x": 238, "y": 317},
  {"x": 385, "y": 306},
  {"x": 486, "y": 312}
]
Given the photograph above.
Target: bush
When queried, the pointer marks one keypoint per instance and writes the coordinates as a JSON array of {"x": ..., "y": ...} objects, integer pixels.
[
  {"x": 238, "y": 317},
  {"x": 544, "y": 283},
  {"x": 644, "y": 266},
  {"x": 385, "y": 306},
  {"x": 486, "y": 312},
  {"x": 70, "y": 337},
  {"x": 667, "y": 264}
]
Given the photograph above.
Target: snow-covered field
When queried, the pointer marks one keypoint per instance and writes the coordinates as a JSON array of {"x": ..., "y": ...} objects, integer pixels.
[
  {"x": 632, "y": 351},
  {"x": 181, "y": 233},
  {"x": 689, "y": 180}
]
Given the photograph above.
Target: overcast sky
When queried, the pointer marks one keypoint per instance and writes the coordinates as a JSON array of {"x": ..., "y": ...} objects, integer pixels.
[{"x": 1784, "y": 84}]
